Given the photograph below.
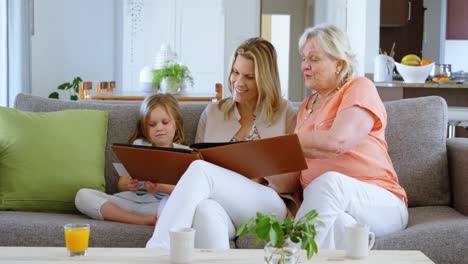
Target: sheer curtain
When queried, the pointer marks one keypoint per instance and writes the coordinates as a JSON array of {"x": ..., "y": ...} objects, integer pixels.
[
  {"x": 3, "y": 53},
  {"x": 19, "y": 28}
]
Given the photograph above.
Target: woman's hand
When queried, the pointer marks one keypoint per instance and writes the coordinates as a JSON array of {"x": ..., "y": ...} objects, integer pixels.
[
  {"x": 151, "y": 187},
  {"x": 133, "y": 184},
  {"x": 284, "y": 183}
]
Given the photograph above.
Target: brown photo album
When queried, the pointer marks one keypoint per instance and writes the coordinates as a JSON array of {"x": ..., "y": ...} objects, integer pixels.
[{"x": 252, "y": 159}]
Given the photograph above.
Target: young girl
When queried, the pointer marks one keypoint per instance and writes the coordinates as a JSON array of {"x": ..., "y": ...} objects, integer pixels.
[{"x": 160, "y": 124}]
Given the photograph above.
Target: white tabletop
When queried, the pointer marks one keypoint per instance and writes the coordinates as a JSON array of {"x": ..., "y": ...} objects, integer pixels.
[{"x": 17, "y": 255}]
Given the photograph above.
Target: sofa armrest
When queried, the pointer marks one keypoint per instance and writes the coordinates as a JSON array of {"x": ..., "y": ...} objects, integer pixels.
[{"x": 457, "y": 149}]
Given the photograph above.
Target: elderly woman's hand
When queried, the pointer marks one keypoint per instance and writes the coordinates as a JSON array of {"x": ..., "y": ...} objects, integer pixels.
[{"x": 284, "y": 183}]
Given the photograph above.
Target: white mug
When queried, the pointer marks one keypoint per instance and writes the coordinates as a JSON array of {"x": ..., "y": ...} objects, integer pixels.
[
  {"x": 359, "y": 240},
  {"x": 182, "y": 244},
  {"x": 383, "y": 68}
]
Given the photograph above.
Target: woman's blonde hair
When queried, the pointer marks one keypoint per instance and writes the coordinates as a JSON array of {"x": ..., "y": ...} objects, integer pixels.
[
  {"x": 170, "y": 104},
  {"x": 334, "y": 42},
  {"x": 263, "y": 55}
]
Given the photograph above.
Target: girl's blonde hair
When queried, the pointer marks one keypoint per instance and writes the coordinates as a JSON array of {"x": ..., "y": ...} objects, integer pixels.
[
  {"x": 263, "y": 55},
  {"x": 170, "y": 104},
  {"x": 334, "y": 42}
]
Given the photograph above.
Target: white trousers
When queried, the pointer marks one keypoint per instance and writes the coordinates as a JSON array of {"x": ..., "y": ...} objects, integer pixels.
[
  {"x": 207, "y": 186},
  {"x": 214, "y": 226},
  {"x": 341, "y": 200},
  {"x": 89, "y": 202}
]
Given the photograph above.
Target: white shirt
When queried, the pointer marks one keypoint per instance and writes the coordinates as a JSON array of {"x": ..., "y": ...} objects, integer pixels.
[
  {"x": 212, "y": 127},
  {"x": 143, "y": 142}
]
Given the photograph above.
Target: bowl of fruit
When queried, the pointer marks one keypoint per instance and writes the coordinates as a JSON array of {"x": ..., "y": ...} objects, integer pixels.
[{"x": 414, "y": 70}]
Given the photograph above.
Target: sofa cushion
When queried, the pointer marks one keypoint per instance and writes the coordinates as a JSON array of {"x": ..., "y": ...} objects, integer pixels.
[
  {"x": 123, "y": 118},
  {"x": 45, "y": 158},
  {"x": 431, "y": 229},
  {"x": 33, "y": 229},
  {"x": 438, "y": 231},
  {"x": 416, "y": 136}
]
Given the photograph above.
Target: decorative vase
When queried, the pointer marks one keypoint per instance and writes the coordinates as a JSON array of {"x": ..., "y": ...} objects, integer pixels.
[
  {"x": 169, "y": 85},
  {"x": 145, "y": 80},
  {"x": 288, "y": 254}
]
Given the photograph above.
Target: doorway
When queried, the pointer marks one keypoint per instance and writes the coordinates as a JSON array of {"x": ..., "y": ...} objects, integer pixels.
[
  {"x": 408, "y": 38},
  {"x": 296, "y": 11},
  {"x": 274, "y": 28}
]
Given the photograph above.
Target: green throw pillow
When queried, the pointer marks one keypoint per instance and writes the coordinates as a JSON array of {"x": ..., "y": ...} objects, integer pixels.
[{"x": 45, "y": 158}]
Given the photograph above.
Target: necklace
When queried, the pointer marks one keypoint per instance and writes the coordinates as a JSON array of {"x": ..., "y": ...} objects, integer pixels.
[{"x": 310, "y": 108}]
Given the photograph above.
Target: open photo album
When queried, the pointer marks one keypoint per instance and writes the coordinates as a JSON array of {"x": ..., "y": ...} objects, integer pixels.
[{"x": 252, "y": 159}]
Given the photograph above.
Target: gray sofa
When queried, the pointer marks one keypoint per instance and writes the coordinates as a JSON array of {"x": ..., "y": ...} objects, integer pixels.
[{"x": 431, "y": 168}]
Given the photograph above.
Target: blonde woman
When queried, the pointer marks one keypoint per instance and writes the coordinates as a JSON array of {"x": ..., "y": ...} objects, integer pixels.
[{"x": 215, "y": 200}]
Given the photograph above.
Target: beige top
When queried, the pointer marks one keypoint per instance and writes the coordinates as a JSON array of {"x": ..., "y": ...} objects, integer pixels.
[{"x": 212, "y": 127}]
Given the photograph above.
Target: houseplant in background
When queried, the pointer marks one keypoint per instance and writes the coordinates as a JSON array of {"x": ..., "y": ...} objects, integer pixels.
[
  {"x": 172, "y": 77},
  {"x": 72, "y": 88},
  {"x": 284, "y": 238}
]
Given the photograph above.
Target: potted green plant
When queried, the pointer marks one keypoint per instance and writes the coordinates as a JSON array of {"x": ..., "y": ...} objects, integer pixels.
[
  {"x": 284, "y": 238},
  {"x": 72, "y": 88},
  {"x": 172, "y": 77}
]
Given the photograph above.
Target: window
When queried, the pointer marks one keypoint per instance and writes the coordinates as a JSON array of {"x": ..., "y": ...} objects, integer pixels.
[{"x": 3, "y": 53}]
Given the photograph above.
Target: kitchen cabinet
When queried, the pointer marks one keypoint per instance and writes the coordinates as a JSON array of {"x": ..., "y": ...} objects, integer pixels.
[
  {"x": 408, "y": 38},
  {"x": 457, "y": 19},
  {"x": 394, "y": 13}
]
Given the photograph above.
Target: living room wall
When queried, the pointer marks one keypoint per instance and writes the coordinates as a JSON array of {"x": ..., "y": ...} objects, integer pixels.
[
  {"x": 85, "y": 37},
  {"x": 72, "y": 38}
]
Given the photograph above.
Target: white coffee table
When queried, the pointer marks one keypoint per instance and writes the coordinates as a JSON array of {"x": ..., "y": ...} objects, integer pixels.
[{"x": 57, "y": 255}]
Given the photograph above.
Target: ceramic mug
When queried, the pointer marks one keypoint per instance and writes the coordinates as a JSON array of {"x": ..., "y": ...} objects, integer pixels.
[
  {"x": 383, "y": 68},
  {"x": 182, "y": 241},
  {"x": 359, "y": 241}
]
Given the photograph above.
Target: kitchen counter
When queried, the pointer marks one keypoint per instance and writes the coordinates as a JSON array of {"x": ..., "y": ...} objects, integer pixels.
[
  {"x": 455, "y": 94},
  {"x": 443, "y": 85}
]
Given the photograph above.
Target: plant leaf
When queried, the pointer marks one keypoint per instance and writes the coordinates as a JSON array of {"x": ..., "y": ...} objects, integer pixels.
[
  {"x": 64, "y": 86},
  {"x": 76, "y": 84},
  {"x": 241, "y": 230},
  {"x": 54, "y": 95},
  {"x": 263, "y": 229},
  {"x": 74, "y": 97},
  {"x": 310, "y": 250},
  {"x": 314, "y": 246},
  {"x": 276, "y": 235},
  {"x": 77, "y": 80}
]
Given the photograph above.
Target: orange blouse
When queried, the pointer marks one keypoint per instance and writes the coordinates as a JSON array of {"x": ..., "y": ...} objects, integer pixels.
[{"x": 368, "y": 161}]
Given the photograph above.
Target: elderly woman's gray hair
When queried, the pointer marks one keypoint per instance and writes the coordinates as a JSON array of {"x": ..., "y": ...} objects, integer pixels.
[{"x": 334, "y": 42}]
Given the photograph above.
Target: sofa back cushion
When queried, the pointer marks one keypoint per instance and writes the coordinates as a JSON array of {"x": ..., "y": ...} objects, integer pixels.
[
  {"x": 122, "y": 120},
  {"x": 416, "y": 137}
]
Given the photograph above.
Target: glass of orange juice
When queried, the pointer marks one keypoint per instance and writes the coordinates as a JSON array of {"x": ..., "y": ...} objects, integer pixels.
[{"x": 76, "y": 239}]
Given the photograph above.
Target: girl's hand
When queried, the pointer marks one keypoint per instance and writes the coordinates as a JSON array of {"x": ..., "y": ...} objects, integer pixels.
[
  {"x": 151, "y": 187},
  {"x": 133, "y": 184}
]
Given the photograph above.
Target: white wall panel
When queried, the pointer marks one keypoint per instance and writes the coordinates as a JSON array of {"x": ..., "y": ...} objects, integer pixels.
[{"x": 72, "y": 38}]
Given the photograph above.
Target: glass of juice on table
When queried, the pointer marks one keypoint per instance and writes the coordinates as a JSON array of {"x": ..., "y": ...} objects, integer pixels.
[{"x": 76, "y": 239}]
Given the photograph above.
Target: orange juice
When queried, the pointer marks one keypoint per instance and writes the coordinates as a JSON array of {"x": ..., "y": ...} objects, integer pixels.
[{"x": 76, "y": 237}]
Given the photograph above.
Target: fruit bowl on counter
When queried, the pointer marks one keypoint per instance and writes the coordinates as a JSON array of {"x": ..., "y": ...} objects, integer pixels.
[{"x": 414, "y": 74}]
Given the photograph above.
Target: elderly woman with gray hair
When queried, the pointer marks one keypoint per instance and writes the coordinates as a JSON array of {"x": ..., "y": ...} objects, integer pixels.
[{"x": 341, "y": 126}]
